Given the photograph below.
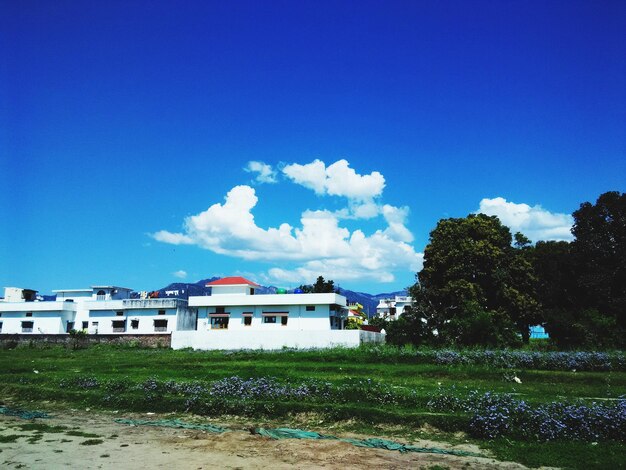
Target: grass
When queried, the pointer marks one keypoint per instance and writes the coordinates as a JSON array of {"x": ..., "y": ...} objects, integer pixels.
[
  {"x": 339, "y": 367},
  {"x": 92, "y": 442}
]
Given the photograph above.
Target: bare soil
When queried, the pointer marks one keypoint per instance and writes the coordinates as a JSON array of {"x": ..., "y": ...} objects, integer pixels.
[{"x": 94, "y": 440}]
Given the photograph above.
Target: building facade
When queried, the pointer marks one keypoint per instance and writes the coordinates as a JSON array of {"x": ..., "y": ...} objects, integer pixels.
[
  {"x": 97, "y": 310},
  {"x": 393, "y": 308}
]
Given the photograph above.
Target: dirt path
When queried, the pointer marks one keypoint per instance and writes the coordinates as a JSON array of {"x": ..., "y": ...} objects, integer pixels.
[{"x": 92, "y": 441}]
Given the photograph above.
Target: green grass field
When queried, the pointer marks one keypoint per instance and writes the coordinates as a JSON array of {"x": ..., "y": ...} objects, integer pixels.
[{"x": 353, "y": 391}]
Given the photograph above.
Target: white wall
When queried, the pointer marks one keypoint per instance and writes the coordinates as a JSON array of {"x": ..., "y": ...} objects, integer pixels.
[
  {"x": 146, "y": 318},
  {"x": 44, "y": 322},
  {"x": 298, "y": 317},
  {"x": 232, "y": 339}
]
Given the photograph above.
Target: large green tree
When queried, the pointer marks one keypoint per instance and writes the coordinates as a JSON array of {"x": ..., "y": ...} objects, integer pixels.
[
  {"x": 475, "y": 287},
  {"x": 599, "y": 248},
  {"x": 599, "y": 251}
]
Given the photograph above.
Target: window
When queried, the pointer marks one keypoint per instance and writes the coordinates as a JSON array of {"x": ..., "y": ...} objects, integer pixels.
[
  {"x": 70, "y": 326},
  {"x": 283, "y": 320},
  {"x": 101, "y": 295},
  {"x": 247, "y": 321},
  {"x": 0, "y": 327},
  {"x": 310, "y": 308},
  {"x": 85, "y": 325},
  {"x": 251, "y": 291},
  {"x": 27, "y": 326},
  {"x": 134, "y": 324},
  {"x": 220, "y": 310},
  {"x": 29, "y": 314},
  {"x": 219, "y": 323},
  {"x": 162, "y": 312},
  {"x": 269, "y": 319},
  {"x": 119, "y": 314},
  {"x": 159, "y": 325},
  {"x": 119, "y": 326}
]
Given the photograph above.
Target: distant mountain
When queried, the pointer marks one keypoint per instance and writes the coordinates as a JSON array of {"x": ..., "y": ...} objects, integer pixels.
[{"x": 183, "y": 290}]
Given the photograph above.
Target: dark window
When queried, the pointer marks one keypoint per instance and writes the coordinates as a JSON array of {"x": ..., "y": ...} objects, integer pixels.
[
  {"x": 283, "y": 320},
  {"x": 134, "y": 324},
  {"x": 162, "y": 312},
  {"x": 119, "y": 326},
  {"x": 160, "y": 325},
  {"x": 220, "y": 309},
  {"x": 310, "y": 308},
  {"x": 247, "y": 321},
  {"x": 101, "y": 295},
  {"x": 269, "y": 319},
  {"x": 70, "y": 326},
  {"x": 29, "y": 314},
  {"x": 251, "y": 291},
  {"x": 0, "y": 326},
  {"x": 119, "y": 314},
  {"x": 85, "y": 325},
  {"x": 219, "y": 323},
  {"x": 27, "y": 326}
]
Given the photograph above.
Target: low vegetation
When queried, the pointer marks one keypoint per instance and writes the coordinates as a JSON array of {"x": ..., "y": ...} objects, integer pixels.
[{"x": 522, "y": 405}]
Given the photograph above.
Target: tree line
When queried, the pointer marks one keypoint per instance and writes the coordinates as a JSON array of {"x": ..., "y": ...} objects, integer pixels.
[{"x": 482, "y": 285}]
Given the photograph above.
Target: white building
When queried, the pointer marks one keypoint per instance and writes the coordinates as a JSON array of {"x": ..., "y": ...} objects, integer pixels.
[
  {"x": 392, "y": 309},
  {"x": 98, "y": 310},
  {"x": 235, "y": 317}
]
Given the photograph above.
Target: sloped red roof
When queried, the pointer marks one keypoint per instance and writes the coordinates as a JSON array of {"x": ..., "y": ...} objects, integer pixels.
[{"x": 232, "y": 281}]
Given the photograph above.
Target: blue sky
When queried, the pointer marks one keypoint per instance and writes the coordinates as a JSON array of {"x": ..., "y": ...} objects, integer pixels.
[{"x": 127, "y": 132}]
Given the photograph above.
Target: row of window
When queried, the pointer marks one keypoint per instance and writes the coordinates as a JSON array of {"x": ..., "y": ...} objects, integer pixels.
[
  {"x": 119, "y": 326},
  {"x": 119, "y": 313},
  {"x": 221, "y": 323}
]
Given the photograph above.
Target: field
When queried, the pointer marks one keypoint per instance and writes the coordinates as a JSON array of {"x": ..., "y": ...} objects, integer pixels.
[{"x": 538, "y": 409}]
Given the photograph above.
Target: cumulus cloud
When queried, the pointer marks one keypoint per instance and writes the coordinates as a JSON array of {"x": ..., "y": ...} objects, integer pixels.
[
  {"x": 265, "y": 173},
  {"x": 319, "y": 245},
  {"x": 180, "y": 274},
  {"x": 535, "y": 222},
  {"x": 337, "y": 179}
]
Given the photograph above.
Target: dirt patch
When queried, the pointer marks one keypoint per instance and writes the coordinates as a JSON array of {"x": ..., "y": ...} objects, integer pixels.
[{"x": 126, "y": 447}]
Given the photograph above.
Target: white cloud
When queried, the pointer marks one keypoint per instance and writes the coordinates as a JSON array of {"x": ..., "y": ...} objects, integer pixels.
[
  {"x": 535, "y": 222},
  {"x": 180, "y": 274},
  {"x": 320, "y": 245},
  {"x": 173, "y": 238},
  {"x": 337, "y": 179},
  {"x": 266, "y": 174}
]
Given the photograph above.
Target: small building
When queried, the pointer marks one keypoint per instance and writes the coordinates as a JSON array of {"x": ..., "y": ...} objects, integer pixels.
[
  {"x": 21, "y": 313},
  {"x": 392, "y": 308},
  {"x": 97, "y": 310},
  {"x": 234, "y": 316}
]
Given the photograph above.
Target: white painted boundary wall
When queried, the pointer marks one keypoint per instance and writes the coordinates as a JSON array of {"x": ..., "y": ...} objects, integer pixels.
[{"x": 224, "y": 339}]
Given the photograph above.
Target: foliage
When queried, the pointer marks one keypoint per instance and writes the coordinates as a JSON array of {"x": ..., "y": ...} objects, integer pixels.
[
  {"x": 599, "y": 250},
  {"x": 475, "y": 288},
  {"x": 320, "y": 287}
]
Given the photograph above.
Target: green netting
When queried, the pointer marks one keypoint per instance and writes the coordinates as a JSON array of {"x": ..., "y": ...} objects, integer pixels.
[
  {"x": 375, "y": 443},
  {"x": 24, "y": 414},
  {"x": 171, "y": 423}
]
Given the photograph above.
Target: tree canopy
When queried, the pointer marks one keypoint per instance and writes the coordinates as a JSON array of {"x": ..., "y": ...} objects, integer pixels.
[
  {"x": 480, "y": 285},
  {"x": 321, "y": 286},
  {"x": 475, "y": 288}
]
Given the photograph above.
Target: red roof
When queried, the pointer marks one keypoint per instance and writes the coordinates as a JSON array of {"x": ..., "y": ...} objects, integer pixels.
[{"x": 232, "y": 281}]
